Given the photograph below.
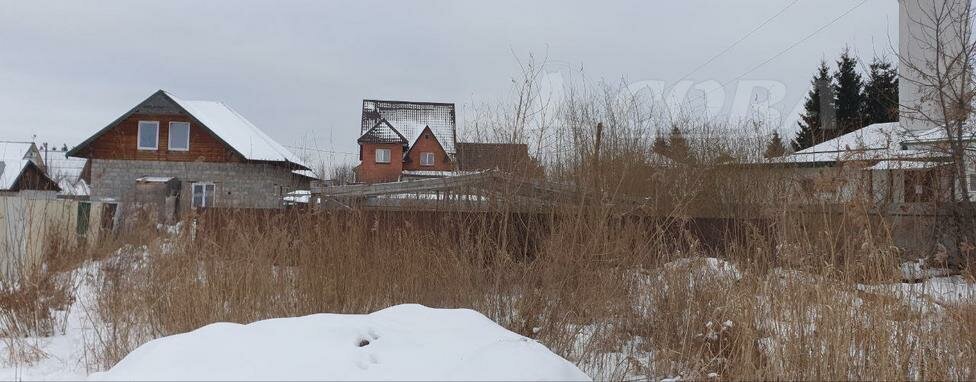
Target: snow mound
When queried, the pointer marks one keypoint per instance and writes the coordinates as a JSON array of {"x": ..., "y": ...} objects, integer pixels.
[
  {"x": 404, "y": 342},
  {"x": 704, "y": 267}
]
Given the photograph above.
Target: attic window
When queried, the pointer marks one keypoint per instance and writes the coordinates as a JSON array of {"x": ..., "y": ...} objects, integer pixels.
[
  {"x": 148, "y": 135},
  {"x": 179, "y": 136},
  {"x": 427, "y": 159}
]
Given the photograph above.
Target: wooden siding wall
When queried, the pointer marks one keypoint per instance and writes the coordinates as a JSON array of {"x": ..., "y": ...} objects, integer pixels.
[
  {"x": 33, "y": 179},
  {"x": 121, "y": 143}
]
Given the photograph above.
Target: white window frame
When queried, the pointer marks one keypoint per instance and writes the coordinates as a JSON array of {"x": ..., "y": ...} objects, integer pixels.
[
  {"x": 203, "y": 199},
  {"x": 169, "y": 141},
  {"x": 389, "y": 156},
  {"x": 424, "y": 159},
  {"x": 139, "y": 135}
]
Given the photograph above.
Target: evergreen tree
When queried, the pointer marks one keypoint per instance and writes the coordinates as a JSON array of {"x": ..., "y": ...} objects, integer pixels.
[
  {"x": 775, "y": 147},
  {"x": 881, "y": 93},
  {"x": 661, "y": 146},
  {"x": 678, "y": 146},
  {"x": 849, "y": 91},
  {"x": 818, "y": 110}
]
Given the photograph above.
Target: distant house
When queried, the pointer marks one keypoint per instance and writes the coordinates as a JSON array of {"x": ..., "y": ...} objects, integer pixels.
[
  {"x": 199, "y": 154},
  {"x": 887, "y": 162},
  {"x": 71, "y": 174},
  {"x": 400, "y": 139},
  {"x": 22, "y": 169}
]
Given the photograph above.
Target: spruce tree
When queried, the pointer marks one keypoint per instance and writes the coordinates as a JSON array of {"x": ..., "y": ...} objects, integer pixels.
[
  {"x": 678, "y": 146},
  {"x": 661, "y": 146},
  {"x": 849, "y": 91},
  {"x": 818, "y": 110},
  {"x": 881, "y": 93},
  {"x": 775, "y": 147}
]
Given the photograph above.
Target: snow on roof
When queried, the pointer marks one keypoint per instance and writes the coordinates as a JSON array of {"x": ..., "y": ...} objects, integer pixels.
[
  {"x": 383, "y": 132},
  {"x": 873, "y": 142},
  {"x": 906, "y": 165},
  {"x": 403, "y": 342},
  {"x": 154, "y": 179},
  {"x": 416, "y": 134},
  {"x": 874, "y": 137},
  {"x": 13, "y": 160},
  {"x": 60, "y": 166},
  {"x": 409, "y": 117},
  {"x": 231, "y": 127},
  {"x": 306, "y": 173}
]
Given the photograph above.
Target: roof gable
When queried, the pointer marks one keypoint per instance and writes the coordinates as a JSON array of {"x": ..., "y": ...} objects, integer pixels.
[
  {"x": 383, "y": 132},
  {"x": 223, "y": 122},
  {"x": 409, "y": 118},
  {"x": 416, "y": 138},
  {"x": 15, "y": 159}
]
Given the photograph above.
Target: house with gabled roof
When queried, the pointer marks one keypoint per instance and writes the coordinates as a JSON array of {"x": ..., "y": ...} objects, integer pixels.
[
  {"x": 198, "y": 154},
  {"x": 402, "y": 138},
  {"x": 22, "y": 168}
]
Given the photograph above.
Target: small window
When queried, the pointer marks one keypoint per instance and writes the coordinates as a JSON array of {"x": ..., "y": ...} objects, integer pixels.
[
  {"x": 382, "y": 155},
  {"x": 427, "y": 159},
  {"x": 148, "y": 135},
  {"x": 179, "y": 136},
  {"x": 972, "y": 182},
  {"x": 203, "y": 195}
]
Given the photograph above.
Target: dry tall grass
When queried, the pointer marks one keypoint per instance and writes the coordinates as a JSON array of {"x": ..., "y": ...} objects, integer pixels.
[
  {"x": 610, "y": 293},
  {"x": 626, "y": 284},
  {"x": 696, "y": 268}
]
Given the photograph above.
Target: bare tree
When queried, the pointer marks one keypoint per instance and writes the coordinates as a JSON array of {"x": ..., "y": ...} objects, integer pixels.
[{"x": 937, "y": 57}]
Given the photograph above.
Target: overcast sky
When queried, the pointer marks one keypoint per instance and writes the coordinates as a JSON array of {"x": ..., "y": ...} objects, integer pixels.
[{"x": 299, "y": 70}]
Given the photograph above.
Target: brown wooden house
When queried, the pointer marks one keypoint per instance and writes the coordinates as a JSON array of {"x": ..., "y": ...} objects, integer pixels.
[
  {"x": 209, "y": 154},
  {"x": 23, "y": 169}
]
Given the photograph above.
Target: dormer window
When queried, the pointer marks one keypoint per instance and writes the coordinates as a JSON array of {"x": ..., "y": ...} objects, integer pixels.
[
  {"x": 179, "y": 136},
  {"x": 426, "y": 159},
  {"x": 148, "y": 138}
]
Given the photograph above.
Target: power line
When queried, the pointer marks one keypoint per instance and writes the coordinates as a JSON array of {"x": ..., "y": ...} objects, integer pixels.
[
  {"x": 789, "y": 48},
  {"x": 736, "y": 43}
]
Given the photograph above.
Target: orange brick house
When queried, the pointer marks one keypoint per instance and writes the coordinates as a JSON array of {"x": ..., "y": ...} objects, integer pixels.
[{"x": 387, "y": 154}]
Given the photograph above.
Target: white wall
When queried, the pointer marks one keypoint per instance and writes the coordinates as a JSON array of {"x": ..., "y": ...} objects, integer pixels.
[{"x": 917, "y": 48}]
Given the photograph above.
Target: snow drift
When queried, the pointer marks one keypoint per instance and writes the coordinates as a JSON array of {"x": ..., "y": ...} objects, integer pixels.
[{"x": 404, "y": 342}]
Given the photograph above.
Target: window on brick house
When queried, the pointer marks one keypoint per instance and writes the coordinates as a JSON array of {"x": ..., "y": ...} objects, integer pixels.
[
  {"x": 203, "y": 194},
  {"x": 427, "y": 159},
  {"x": 148, "y": 136},
  {"x": 179, "y": 136},
  {"x": 382, "y": 155}
]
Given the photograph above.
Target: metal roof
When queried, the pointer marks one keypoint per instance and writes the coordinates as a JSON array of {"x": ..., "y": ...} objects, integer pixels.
[{"x": 409, "y": 118}]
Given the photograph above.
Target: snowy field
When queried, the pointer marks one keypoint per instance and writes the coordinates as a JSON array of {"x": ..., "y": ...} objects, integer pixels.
[
  {"x": 411, "y": 342},
  {"x": 404, "y": 342}
]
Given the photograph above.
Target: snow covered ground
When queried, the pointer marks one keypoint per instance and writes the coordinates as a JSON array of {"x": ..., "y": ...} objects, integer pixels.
[
  {"x": 63, "y": 356},
  {"x": 404, "y": 342},
  {"x": 401, "y": 342}
]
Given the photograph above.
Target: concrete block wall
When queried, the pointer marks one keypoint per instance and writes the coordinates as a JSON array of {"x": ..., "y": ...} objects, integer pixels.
[{"x": 238, "y": 185}]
